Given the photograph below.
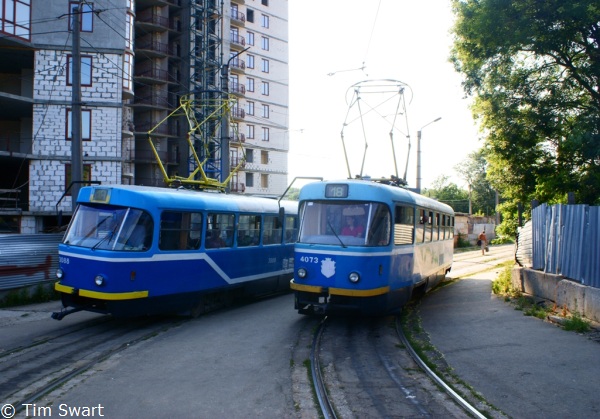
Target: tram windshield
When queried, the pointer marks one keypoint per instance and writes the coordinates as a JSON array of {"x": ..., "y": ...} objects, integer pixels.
[
  {"x": 110, "y": 228},
  {"x": 345, "y": 223}
]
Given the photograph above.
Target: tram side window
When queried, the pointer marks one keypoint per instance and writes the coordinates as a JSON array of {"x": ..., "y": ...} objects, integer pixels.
[
  {"x": 291, "y": 229},
  {"x": 378, "y": 226},
  {"x": 272, "y": 230},
  {"x": 451, "y": 227},
  {"x": 435, "y": 227},
  {"x": 180, "y": 230},
  {"x": 420, "y": 234},
  {"x": 428, "y": 227},
  {"x": 219, "y": 230},
  {"x": 404, "y": 221},
  {"x": 248, "y": 230},
  {"x": 443, "y": 227}
]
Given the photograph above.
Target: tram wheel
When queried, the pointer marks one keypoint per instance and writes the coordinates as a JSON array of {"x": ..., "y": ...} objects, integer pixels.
[{"x": 198, "y": 309}]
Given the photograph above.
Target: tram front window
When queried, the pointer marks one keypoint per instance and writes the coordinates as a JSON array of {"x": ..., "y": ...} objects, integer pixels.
[
  {"x": 110, "y": 228},
  {"x": 345, "y": 223}
]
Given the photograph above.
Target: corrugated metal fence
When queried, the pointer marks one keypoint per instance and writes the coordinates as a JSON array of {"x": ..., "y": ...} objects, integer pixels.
[
  {"x": 566, "y": 241},
  {"x": 28, "y": 259}
]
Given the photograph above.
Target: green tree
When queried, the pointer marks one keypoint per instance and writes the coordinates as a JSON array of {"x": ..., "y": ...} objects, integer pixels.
[
  {"x": 449, "y": 193},
  {"x": 473, "y": 170},
  {"x": 534, "y": 69}
]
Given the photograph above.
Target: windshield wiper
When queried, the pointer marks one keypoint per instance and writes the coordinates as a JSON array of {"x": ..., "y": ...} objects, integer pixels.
[
  {"x": 335, "y": 234},
  {"x": 108, "y": 236}
]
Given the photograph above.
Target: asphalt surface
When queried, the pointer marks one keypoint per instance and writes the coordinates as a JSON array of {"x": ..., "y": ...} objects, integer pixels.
[{"x": 524, "y": 366}]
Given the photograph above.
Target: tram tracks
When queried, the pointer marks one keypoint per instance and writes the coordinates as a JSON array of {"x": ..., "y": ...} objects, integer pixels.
[
  {"x": 367, "y": 368},
  {"x": 30, "y": 371}
]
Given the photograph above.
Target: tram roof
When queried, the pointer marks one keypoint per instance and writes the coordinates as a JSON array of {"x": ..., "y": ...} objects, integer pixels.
[
  {"x": 366, "y": 190},
  {"x": 184, "y": 199}
]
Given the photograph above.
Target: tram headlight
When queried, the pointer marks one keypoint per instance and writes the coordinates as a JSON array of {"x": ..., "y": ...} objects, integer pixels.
[
  {"x": 301, "y": 272},
  {"x": 60, "y": 273},
  {"x": 354, "y": 277},
  {"x": 99, "y": 280}
]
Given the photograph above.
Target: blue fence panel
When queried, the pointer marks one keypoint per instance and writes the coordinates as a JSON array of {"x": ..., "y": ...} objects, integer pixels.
[
  {"x": 539, "y": 219},
  {"x": 566, "y": 241},
  {"x": 571, "y": 258},
  {"x": 591, "y": 249}
]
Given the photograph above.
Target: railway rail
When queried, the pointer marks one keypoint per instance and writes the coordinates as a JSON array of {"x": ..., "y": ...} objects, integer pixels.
[
  {"x": 363, "y": 369},
  {"x": 30, "y": 371}
]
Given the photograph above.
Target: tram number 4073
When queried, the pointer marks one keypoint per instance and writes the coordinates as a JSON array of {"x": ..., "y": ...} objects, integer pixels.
[{"x": 309, "y": 259}]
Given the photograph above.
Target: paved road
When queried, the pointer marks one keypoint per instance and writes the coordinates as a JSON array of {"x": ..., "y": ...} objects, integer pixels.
[{"x": 524, "y": 366}]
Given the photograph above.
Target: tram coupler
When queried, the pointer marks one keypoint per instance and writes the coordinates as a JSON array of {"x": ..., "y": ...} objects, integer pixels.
[{"x": 61, "y": 314}]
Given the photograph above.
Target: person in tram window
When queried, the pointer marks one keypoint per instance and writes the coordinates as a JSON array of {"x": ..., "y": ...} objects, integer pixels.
[{"x": 351, "y": 228}]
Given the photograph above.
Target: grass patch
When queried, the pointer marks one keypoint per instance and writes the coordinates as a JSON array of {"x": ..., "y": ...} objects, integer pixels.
[
  {"x": 577, "y": 324},
  {"x": 502, "y": 285}
]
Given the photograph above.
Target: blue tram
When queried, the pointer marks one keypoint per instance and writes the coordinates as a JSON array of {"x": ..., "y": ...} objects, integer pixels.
[
  {"x": 368, "y": 247},
  {"x": 134, "y": 250}
]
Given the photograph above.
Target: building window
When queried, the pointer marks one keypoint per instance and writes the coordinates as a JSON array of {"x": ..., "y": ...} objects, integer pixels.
[
  {"x": 265, "y": 21},
  {"x": 265, "y": 2},
  {"x": 250, "y": 180},
  {"x": 127, "y": 70},
  {"x": 250, "y": 106},
  {"x": 264, "y": 180},
  {"x": 250, "y": 15},
  {"x": 250, "y": 132},
  {"x": 86, "y": 70},
  {"x": 87, "y": 175},
  {"x": 250, "y": 155},
  {"x": 129, "y": 31},
  {"x": 265, "y": 43},
  {"x": 15, "y": 18},
  {"x": 264, "y": 157},
  {"x": 265, "y": 134},
  {"x": 266, "y": 111},
  {"x": 87, "y": 16},
  {"x": 265, "y": 88},
  {"x": 86, "y": 125},
  {"x": 250, "y": 38},
  {"x": 250, "y": 84},
  {"x": 250, "y": 61},
  {"x": 265, "y": 65}
]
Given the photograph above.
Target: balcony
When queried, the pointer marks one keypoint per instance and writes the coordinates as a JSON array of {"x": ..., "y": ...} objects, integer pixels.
[
  {"x": 238, "y": 113},
  {"x": 237, "y": 41},
  {"x": 150, "y": 22},
  {"x": 151, "y": 101},
  {"x": 237, "y": 88},
  {"x": 161, "y": 130},
  {"x": 237, "y": 137},
  {"x": 237, "y": 65},
  {"x": 152, "y": 75},
  {"x": 238, "y": 17},
  {"x": 152, "y": 48}
]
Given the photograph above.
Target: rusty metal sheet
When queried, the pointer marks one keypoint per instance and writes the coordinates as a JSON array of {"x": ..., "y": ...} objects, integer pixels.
[{"x": 28, "y": 259}]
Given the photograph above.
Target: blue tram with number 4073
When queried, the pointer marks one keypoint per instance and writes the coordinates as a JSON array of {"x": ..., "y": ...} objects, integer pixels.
[
  {"x": 134, "y": 250},
  {"x": 368, "y": 247}
]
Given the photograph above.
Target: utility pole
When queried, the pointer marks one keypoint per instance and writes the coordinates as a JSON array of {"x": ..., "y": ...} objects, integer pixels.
[
  {"x": 76, "y": 163},
  {"x": 419, "y": 153}
]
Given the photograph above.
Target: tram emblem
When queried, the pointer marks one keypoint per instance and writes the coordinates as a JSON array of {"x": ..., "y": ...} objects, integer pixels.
[{"x": 328, "y": 267}]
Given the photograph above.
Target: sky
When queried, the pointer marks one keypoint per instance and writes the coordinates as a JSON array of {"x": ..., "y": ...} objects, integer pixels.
[{"x": 336, "y": 49}]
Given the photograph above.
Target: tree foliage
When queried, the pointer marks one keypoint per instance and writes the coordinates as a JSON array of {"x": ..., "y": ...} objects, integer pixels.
[
  {"x": 473, "y": 170},
  {"x": 534, "y": 68},
  {"x": 449, "y": 193}
]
